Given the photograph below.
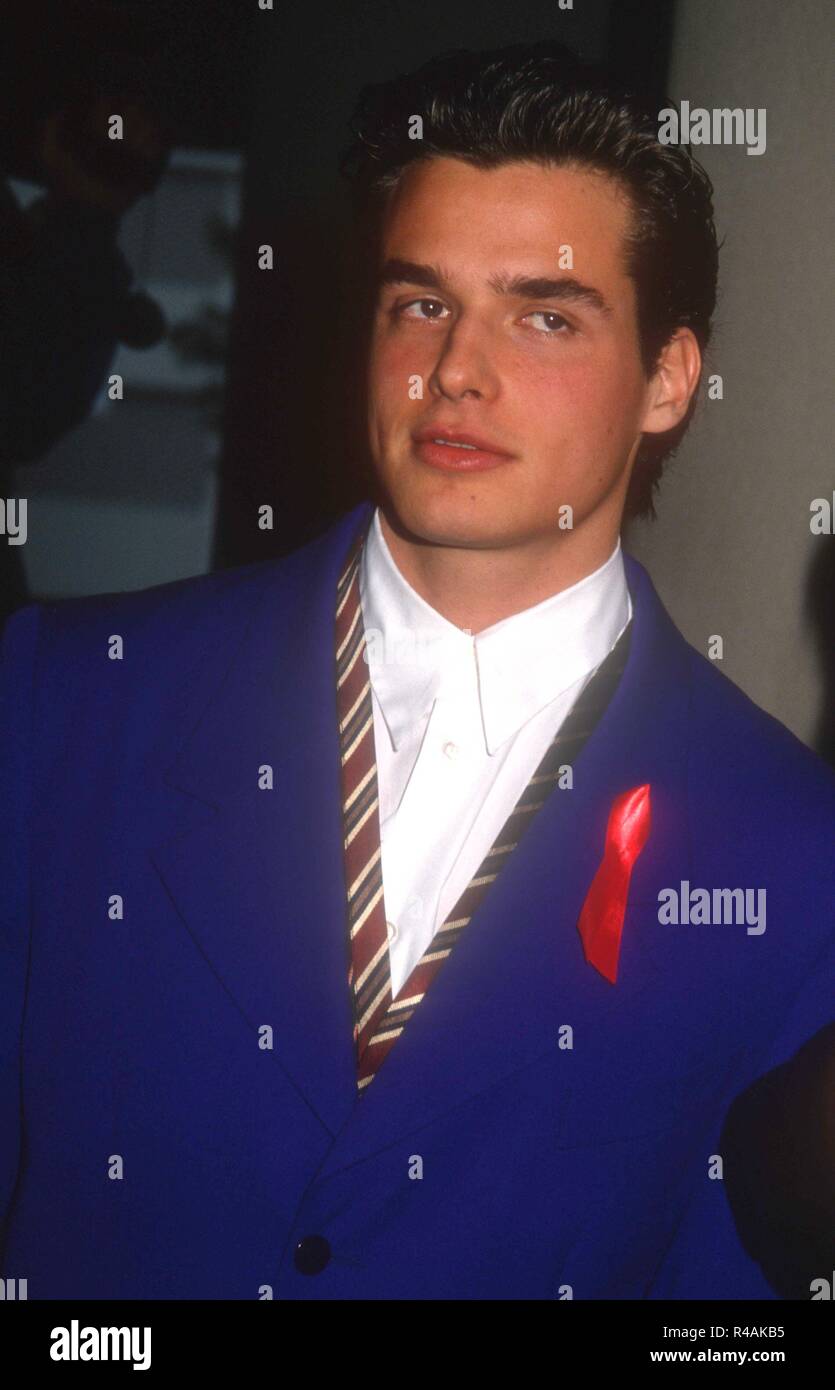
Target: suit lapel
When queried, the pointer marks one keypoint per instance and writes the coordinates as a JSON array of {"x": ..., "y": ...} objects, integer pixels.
[{"x": 258, "y": 878}]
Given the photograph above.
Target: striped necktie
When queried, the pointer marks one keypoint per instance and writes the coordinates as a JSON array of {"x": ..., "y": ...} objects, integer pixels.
[{"x": 380, "y": 1019}]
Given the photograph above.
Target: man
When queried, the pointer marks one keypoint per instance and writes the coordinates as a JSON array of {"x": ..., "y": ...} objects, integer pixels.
[{"x": 401, "y": 919}]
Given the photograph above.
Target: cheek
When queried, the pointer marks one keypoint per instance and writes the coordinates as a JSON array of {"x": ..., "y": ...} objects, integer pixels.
[
  {"x": 597, "y": 394},
  {"x": 392, "y": 363}
]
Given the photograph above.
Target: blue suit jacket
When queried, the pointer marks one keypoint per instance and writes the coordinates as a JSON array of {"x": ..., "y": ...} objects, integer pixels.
[{"x": 151, "y": 1145}]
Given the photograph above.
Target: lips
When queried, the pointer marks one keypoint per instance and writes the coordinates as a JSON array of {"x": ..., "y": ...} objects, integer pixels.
[
  {"x": 455, "y": 437},
  {"x": 456, "y": 450}
]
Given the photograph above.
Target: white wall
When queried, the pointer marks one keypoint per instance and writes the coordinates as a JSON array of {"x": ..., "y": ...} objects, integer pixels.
[{"x": 731, "y": 551}]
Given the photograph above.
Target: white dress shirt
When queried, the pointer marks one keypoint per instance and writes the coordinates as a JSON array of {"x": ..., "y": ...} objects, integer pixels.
[{"x": 460, "y": 724}]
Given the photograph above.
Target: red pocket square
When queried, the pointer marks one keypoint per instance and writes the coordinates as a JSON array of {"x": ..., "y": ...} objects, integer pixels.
[{"x": 601, "y": 920}]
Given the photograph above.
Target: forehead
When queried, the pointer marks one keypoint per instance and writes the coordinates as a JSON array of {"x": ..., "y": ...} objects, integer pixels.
[{"x": 513, "y": 217}]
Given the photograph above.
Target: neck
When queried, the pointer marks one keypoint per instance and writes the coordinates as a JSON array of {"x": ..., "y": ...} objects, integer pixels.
[{"x": 475, "y": 588}]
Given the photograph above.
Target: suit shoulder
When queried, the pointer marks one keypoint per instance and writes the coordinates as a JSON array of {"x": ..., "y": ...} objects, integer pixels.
[
  {"x": 750, "y": 758},
  {"x": 131, "y": 671},
  {"x": 179, "y": 624},
  {"x": 204, "y": 599},
  {"x": 186, "y": 621}
]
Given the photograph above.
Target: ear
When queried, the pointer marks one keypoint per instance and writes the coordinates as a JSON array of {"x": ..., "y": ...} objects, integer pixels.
[{"x": 672, "y": 384}]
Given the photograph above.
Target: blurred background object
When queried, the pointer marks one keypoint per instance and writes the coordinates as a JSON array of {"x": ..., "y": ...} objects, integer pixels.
[{"x": 108, "y": 250}]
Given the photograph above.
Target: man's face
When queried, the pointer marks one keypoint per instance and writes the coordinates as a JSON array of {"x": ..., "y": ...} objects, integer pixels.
[{"x": 547, "y": 376}]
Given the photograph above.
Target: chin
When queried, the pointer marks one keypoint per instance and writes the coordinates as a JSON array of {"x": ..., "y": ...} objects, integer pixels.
[
  {"x": 447, "y": 508},
  {"x": 449, "y": 521}
]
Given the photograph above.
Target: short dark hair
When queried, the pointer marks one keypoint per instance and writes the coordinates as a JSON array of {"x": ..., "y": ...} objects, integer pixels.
[{"x": 541, "y": 102}]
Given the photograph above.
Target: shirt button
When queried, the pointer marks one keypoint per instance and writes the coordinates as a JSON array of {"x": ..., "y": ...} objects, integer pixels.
[
  {"x": 311, "y": 1255},
  {"x": 391, "y": 929},
  {"x": 450, "y": 750}
]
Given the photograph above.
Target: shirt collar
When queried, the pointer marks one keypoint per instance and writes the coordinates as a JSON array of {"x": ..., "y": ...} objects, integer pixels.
[{"x": 516, "y": 667}]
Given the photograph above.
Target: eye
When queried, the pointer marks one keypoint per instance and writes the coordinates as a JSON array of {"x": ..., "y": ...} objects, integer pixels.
[
  {"x": 433, "y": 307},
  {"x": 554, "y": 322}
]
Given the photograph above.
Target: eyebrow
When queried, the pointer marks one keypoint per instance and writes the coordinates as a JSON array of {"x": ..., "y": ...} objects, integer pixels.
[{"x": 566, "y": 288}]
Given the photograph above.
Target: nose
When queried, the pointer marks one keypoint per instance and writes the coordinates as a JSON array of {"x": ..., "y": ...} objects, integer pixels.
[{"x": 464, "y": 367}]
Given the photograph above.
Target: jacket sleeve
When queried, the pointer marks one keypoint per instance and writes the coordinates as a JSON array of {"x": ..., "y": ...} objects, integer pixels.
[
  {"x": 767, "y": 1228},
  {"x": 17, "y": 666}
]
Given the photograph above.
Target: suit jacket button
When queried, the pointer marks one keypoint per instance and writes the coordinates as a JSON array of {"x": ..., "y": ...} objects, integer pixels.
[{"x": 312, "y": 1254}]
